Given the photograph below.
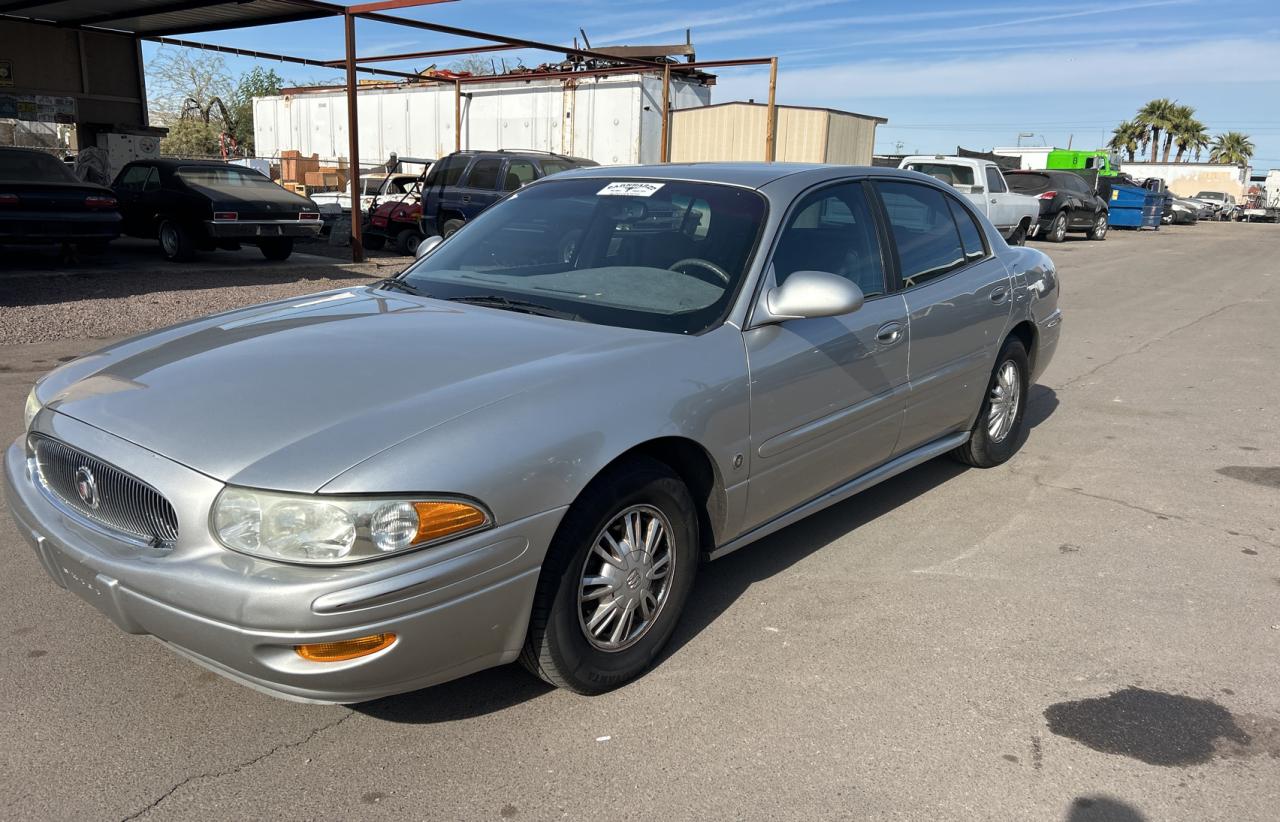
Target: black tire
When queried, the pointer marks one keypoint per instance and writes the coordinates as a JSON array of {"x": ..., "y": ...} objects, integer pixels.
[
  {"x": 277, "y": 248},
  {"x": 407, "y": 241},
  {"x": 1019, "y": 235},
  {"x": 1098, "y": 231},
  {"x": 450, "y": 228},
  {"x": 374, "y": 242},
  {"x": 556, "y": 648},
  {"x": 983, "y": 450},
  {"x": 1057, "y": 231},
  {"x": 177, "y": 242}
]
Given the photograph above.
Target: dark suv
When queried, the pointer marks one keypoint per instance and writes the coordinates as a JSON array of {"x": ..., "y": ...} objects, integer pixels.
[
  {"x": 465, "y": 183},
  {"x": 1068, "y": 202}
]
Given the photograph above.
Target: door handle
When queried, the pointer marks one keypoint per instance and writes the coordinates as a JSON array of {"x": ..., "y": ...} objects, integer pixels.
[
  {"x": 999, "y": 294},
  {"x": 889, "y": 333},
  {"x": 466, "y": 198}
]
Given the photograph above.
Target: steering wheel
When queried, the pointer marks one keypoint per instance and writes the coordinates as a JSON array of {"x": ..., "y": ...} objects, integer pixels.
[{"x": 698, "y": 262}]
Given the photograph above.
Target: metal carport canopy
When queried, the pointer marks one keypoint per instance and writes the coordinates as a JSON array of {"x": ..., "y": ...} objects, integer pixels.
[{"x": 156, "y": 18}]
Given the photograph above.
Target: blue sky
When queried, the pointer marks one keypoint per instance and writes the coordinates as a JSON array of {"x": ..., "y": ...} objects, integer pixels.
[{"x": 944, "y": 73}]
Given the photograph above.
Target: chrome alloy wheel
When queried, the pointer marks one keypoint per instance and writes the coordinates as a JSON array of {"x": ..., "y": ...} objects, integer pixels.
[
  {"x": 1005, "y": 395},
  {"x": 626, "y": 578}
]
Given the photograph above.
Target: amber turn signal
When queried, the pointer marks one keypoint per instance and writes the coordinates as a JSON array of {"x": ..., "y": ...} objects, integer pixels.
[
  {"x": 440, "y": 519},
  {"x": 344, "y": 649}
]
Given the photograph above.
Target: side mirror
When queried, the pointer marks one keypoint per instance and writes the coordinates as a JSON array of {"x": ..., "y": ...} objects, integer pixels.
[
  {"x": 809, "y": 294},
  {"x": 426, "y": 246}
]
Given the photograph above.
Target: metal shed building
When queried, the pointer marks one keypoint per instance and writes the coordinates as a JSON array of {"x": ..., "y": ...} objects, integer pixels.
[
  {"x": 731, "y": 131},
  {"x": 611, "y": 119}
]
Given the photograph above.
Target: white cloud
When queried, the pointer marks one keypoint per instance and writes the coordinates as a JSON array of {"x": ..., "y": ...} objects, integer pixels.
[
  {"x": 675, "y": 22},
  {"x": 1157, "y": 70}
]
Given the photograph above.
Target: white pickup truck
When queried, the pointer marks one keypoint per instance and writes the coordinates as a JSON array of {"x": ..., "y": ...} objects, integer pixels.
[{"x": 981, "y": 181}]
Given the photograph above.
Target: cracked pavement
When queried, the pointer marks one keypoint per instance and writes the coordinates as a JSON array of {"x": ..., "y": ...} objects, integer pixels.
[{"x": 890, "y": 658}]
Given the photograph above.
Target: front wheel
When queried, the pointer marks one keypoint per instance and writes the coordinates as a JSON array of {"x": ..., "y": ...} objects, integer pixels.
[
  {"x": 615, "y": 579},
  {"x": 1098, "y": 231},
  {"x": 177, "y": 243},
  {"x": 407, "y": 241},
  {"x": 450, "y": 228},
  {"x": 1001, "y": 426}
]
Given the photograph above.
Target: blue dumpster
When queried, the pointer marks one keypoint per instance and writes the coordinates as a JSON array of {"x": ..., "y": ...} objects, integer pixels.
[{"x": 1133, "y": 207}]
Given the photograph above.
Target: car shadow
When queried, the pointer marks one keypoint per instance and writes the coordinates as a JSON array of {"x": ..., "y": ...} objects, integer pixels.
[{"x": 718, "y": 586}]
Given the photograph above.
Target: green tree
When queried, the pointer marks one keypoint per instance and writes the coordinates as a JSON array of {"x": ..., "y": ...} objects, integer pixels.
[
  {"x": 1127, "y": 137},
  {"x": 1180, "y": 118},
  {"x": 257, "y": 82},
  {"x": 1232, "y": 147},
  {"x": 191, "y": 137},
  {"x": 1192, "y": 136},
  {"x": 1157, "y": 116}
]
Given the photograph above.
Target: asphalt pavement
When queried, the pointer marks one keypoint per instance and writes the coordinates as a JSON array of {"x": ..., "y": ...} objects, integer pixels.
[{"x": 1090, "y": 632}]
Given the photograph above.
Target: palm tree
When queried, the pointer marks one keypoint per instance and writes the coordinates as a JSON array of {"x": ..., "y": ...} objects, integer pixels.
[
  {"x": 1157, "y": 116},
  {"x": 1126, "y": 137},
  {"x": 1233, "y": 148},
  {"x": 1179, "y": 118},
  {"x": 1192, "y": 136}
]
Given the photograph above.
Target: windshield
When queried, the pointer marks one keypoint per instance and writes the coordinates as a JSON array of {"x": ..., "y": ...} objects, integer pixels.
[
  {"x": 947, "y": 173},
  {"x": 1212, "y": 195},
  {"x": 223, "y": 177},
  {"x": 658, "y": 255}
]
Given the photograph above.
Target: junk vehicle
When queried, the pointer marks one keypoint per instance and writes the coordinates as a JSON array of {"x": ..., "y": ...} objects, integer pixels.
[{"x": 982, "y": 182}]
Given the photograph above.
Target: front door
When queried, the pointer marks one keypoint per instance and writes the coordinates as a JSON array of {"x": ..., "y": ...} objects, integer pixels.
[
  {"x": 958, "y": 299},
  {"x": 827, "y": 394}
]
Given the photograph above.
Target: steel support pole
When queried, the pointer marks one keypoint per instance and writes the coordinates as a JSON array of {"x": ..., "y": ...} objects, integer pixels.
[
  {"x": 771, "y": 129},
  {"x": 353, "y": 143},
  {"x": 457, "y": 115},
  {"x": 665, "y": 155}
]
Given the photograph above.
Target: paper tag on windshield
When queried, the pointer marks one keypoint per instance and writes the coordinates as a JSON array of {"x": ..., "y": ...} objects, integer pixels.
[{"x": 629, "y": 189}]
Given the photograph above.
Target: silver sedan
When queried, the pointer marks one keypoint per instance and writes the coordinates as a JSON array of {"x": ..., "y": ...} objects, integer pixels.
[{"x": 524, "y": 446}]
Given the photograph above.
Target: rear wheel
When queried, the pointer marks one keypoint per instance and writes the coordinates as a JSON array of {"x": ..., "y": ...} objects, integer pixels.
[
  {"x": 1019, "y": 235},
  {"x": 1058, "y": 228},
  {"x": 177, "y": 243},
  {"x": 407, "y": 241},
  {"x": 1000, "y": 428},
  {"x": 450, "y": 228},
  {"x": 615, "y": 579},
  {"x": 1098, "y": 231},
  {"x": 278, "y": 248}
]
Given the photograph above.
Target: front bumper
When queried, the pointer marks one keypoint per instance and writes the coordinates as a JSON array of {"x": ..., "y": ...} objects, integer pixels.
[
  {"x": 250, "y": 230},
  {"x": 455, "y": 609}
]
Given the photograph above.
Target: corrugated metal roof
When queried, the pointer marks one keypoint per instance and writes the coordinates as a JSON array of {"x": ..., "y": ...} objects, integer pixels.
[{"x": 150, "y": 18}]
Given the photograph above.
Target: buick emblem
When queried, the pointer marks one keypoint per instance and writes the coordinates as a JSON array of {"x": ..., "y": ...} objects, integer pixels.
[{"x": 87, "y": 487}]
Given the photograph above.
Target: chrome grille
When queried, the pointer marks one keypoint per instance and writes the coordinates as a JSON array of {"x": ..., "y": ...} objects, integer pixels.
[{"x": 124, "y": 503}]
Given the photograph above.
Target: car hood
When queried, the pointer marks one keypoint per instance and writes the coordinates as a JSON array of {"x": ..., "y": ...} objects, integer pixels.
[{"x": 291, "y": 394}]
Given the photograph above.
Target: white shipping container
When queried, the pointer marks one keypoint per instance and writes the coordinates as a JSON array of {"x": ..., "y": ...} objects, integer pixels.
[{"x": 610, "y": 119}]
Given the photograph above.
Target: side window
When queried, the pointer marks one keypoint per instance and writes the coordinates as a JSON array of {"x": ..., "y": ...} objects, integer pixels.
[
  {"x": 153, "y": 180},
  {"x": 995, "y": 181},
  {"x": 970, "y": 232},
  {"x": 519, "y": 172},
  {"x": 923, "y": 230},
  {"x": 447, "y": 171},
  {"x": 134, "y": 178},
  {"x": 484, "y": 174},
  {"x": 832, "y": 230}
]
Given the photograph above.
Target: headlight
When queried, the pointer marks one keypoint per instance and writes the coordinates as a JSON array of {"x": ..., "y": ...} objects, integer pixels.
[
  {"x": 319, "y": 530},
  {"x": 30, "y": 410}
]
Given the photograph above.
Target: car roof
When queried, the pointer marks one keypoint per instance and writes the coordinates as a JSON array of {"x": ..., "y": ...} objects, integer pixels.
[
  {"x": 745, "y": 174},
  {"x": 532, "y": 154},
  {"x": 170, "y": 162}
]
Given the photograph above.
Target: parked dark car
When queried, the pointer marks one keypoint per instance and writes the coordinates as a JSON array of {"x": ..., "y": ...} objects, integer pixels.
[
  {"x": 200, "y": 205},
  {"x": 465, "y": 183},
  {"x": 42, "y": 201},
  {"x": 1067, "y": 203}
]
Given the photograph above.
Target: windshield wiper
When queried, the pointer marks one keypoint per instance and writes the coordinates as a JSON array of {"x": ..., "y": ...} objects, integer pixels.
[
  {"x": 397, "y": 284},
  {"x": 522, "y": 306}
]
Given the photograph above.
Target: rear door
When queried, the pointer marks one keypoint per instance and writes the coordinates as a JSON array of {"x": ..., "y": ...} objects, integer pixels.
[
  {"x": 826, "y": 393},
  {"x": 441, "y": 197},
  {"x": 958, "y": 299},
  {"x": 481, "y": 186}
]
